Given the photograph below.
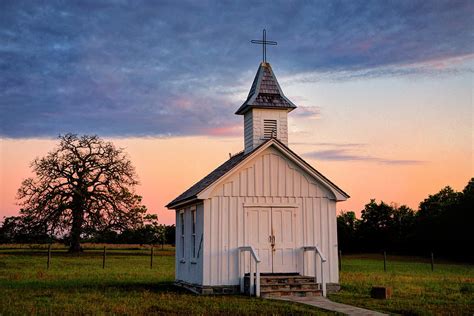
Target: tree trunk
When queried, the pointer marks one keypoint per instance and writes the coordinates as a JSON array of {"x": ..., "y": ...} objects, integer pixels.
[{"x": 76, "y": 229}]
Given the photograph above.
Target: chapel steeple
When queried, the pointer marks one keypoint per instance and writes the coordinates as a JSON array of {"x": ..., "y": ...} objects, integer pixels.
[{"x": 266, "y": 110}]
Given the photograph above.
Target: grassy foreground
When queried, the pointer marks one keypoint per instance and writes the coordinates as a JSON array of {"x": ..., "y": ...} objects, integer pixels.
[
  {"x": 448, "y": 290},
  {"x": 127, "y": 285}
]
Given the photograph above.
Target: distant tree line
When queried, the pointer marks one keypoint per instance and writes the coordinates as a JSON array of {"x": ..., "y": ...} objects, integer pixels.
[
  {"x": 16, "y": 230},
  {"x": 443, "y": 224}
]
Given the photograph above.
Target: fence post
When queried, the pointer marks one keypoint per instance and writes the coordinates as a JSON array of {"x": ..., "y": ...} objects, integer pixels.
[
  {"x": 385, "y": 261},
  {"x": 151, "y": 257},
  {"x": 103, "y": 259},
  {"x": 340, "y": 260},
  {"x": 49, "y": 257},
  {"x": 432, "y": 261}
]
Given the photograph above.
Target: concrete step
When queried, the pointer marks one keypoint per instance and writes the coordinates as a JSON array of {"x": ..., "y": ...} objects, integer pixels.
[
  {"x": 298, "y": 279},
  {"x": 289, "y": 293},
  {"x": 296, "y": 286},
  {"x": 287, "y": 280},
  {"x": 285, "y": 286}
]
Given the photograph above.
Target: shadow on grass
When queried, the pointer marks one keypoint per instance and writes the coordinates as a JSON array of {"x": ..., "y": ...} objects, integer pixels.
[
  {"x": 156, "y": 287},
  {"x": 85, "y": 254},
  {"x": 123, "y": 286}
]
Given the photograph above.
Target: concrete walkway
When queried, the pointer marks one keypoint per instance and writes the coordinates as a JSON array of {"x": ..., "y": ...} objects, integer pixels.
[{"x": 324, "y": 303}]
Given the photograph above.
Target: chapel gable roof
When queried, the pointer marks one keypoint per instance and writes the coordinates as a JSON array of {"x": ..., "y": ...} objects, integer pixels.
[
  {"x": 265, "y": 92},
  {"x": 192, "y": 193}
]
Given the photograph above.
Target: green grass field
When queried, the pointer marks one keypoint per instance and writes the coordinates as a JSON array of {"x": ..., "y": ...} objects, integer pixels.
[
  {"x": 127, "y": 285},
  {"x": 448, "y": 290}
]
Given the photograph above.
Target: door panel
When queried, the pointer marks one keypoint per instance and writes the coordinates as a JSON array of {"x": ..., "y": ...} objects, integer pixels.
[
  {"x": 257, "y": 236},
  {"x": 262, "y": 223},
  {"x": 284, "y": 255}
]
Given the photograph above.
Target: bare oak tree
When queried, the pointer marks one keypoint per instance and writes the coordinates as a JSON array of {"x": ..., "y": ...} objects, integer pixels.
[{"x": 84, "y": 184}]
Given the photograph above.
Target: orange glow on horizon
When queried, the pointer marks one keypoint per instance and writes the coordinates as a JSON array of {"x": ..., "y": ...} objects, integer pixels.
[{"x": 168, "y": 166}]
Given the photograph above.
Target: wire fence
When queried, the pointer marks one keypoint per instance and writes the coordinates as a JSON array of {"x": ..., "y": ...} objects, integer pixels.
[
  {"x": 50, "y": 251},
  {"x": 386, "y": 259}
]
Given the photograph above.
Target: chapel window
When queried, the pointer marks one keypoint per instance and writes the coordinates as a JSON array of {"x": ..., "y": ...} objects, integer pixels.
[{"x": 193, "y": 235}]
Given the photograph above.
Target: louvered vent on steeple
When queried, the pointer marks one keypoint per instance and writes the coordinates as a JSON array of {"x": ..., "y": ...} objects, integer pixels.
[{"x": 269, "y": 129}]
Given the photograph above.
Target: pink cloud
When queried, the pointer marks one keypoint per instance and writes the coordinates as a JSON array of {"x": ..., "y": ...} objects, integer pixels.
[
  {"x": 364, "y": 46},
  {"x": 232, "y": 130}
]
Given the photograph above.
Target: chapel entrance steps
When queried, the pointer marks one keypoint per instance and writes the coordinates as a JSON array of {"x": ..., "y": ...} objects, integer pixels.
[{"x": 285, "y": 285}]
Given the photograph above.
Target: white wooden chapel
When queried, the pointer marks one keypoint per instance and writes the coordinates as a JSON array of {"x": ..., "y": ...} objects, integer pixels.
[{"x": 265, "y": 208}]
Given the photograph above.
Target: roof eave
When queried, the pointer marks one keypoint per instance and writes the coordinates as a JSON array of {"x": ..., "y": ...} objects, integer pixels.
[
  {"x": 244, "y": 109},
  {"x": 178, "y": 204}
]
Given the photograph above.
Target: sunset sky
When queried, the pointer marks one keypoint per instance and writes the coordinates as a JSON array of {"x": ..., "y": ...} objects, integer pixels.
[{"x": 384, "y": 89}]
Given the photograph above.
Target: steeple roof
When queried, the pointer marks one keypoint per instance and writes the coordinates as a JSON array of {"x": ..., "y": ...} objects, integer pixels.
[{"x": 265, "y": 92}]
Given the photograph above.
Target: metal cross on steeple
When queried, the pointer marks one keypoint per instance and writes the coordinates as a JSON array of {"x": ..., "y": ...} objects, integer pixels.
[{"x": 264, "y": 44}]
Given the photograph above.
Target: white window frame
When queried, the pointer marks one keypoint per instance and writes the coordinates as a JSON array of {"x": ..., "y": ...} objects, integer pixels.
[
  {"x": 182, "y": 234},
  {"x": 193, "y": 232}
]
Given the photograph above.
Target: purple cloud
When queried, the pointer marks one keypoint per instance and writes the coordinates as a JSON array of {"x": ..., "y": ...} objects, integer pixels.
[
  {"x": 307, "y": 112},
  {"x": 173, "y": 68},
  {"x": 345, "y": 155}
]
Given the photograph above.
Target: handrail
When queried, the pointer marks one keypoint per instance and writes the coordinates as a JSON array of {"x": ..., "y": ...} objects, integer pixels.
[
  {"x": 317, "y": 252},
  {"x": 306, "y": 248},
  {"x": 252, "y": 251},
  {"x": 254, "y": 255}
]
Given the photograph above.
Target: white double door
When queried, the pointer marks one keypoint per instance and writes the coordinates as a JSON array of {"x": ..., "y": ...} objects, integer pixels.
[{"x": 271, "y": 231}]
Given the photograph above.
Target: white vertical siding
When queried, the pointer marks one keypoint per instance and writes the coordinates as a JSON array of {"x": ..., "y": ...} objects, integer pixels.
[
  {"x": 268, "y": 179},
  {"x": 207, "y": 238},
  {"x": 334, "y": 258},
  {"x": 178, "y": 270},
  {"x": 190, "y": 269},
  {"x": 248, "y": 131}
]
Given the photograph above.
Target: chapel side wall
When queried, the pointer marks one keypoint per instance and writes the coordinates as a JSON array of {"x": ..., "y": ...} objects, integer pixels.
[
  {"x": 189, "y": 268},
  {"x": 268, "y": 179},
  {"x": 198, "y": 270},
  {"x": 177, "y": 273}
]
